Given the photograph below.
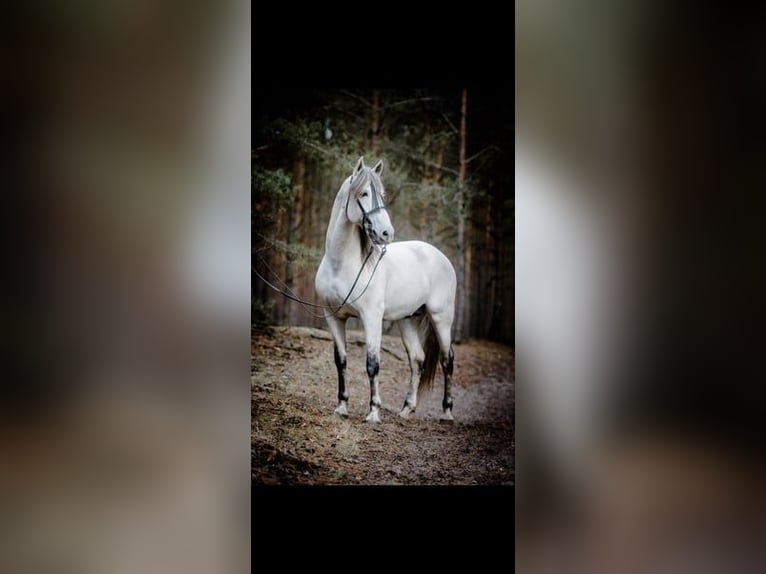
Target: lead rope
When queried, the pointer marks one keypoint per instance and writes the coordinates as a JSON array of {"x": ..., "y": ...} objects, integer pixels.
[{"x": 291, "y": 295}]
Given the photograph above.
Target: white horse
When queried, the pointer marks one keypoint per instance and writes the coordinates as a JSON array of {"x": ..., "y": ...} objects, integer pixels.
[{"x": 363, "y": 274}]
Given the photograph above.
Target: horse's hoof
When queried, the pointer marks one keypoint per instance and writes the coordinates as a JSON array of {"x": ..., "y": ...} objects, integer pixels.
[
  {"x": 406, "y": 411},
  {"x": 447, "y": 417},
  {"x": 341, "y": 411},
  {"x": 373, "y": 417}
]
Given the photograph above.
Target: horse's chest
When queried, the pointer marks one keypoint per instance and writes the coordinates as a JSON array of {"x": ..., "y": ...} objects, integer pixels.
[
  {"x": 338, "y": 291},
  {"x": 335, "y": 292}
]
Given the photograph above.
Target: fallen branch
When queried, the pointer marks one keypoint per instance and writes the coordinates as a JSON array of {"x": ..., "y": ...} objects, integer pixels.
[{"x": 354, "y": 339}]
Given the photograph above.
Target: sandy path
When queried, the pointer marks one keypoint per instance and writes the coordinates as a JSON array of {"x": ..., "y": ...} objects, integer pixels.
[{"x": 296, "y": 438}]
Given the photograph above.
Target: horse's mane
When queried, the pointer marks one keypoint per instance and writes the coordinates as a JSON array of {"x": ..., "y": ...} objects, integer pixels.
[
  {"x": 363, "y": 177},
  {"x": 364, "y": 243},
  {"x": 357, "y": 185}
]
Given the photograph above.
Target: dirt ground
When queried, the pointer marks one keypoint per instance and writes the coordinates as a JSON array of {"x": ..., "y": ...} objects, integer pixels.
[{"x": 296, "y": 438}]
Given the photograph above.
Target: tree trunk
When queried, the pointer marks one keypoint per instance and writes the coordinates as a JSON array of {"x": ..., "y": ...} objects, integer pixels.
[
  {"x": 496, "y": 323},
  {"x": 375, "y": 126},
  {"x": 489, "y": 264},
  {"x": 438, "y": 162},
  {"x": 468, "y": 281},
  {"x": 460, "y": 244},
  {"x": 294, "y": 217},
  {"x": 430, "y": 175}
]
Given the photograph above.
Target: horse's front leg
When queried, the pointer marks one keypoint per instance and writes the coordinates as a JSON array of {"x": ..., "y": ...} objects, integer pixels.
[
  {"x": 338, "y": 330},
  {"x": 373, "y": 327}
]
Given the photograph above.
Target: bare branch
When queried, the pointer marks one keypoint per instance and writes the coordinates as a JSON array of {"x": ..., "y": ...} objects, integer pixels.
[
  {"x": 353, "y": 115},
  {"x": 443, "y": 168},
  {"x": 474, "y": 156},
  {"x": 403, "y": 102},
  {"x": 318, "y": 148},
  {"x": 356, "y": 97},
  {"x": 451, "y": 125}
]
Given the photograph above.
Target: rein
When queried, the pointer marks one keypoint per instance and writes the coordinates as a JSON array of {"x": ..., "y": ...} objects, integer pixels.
[
  {"x": 376, "y": 206},
  {"x": 297, "y": 299}
]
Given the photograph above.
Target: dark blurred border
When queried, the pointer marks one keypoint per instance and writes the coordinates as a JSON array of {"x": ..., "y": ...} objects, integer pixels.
[
  {"x": 639, "y": 178},
  {"x": 124, "y": 401}
]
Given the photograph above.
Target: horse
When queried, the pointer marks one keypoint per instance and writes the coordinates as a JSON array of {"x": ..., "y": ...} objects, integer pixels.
[{"x": 365, "y": 274}]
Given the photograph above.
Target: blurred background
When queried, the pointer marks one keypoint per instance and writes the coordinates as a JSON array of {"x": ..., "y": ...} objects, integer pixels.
[
  {"x": 638, "y": 207},
  {"x": 445, "y": 185},
  {"x": 639, "y": 288},
  {"x": 125, "y": 294}
]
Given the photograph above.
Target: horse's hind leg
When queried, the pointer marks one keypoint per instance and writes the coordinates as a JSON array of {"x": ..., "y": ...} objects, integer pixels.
[
  {"x": 443, "y": 324},
  {"x": 411, "y": 340},
  {"x": 338, "y": 331}
]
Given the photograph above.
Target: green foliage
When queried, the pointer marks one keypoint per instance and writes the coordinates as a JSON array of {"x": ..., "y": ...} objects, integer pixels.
[
  {"x": 260, "y": 312},
  {"x": 299, "y": 253},
  {"x": 271, "y": 194},
  {"x": 273, "y": 184}
]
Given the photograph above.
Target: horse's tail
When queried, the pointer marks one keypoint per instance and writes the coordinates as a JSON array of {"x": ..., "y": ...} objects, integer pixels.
[{"x": 431, "y": 361}]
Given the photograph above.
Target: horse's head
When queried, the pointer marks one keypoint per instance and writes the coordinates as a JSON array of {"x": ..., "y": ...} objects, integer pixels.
[{"x": 364, "y": 205}]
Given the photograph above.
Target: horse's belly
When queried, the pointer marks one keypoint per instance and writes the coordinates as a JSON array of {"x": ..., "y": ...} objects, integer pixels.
[
  {"x": 400, "y": 312},
  {"x": 403, "y": 298}
]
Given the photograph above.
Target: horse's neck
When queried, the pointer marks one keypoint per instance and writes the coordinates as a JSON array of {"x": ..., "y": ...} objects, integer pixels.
[{"x": 343, "y": 244}]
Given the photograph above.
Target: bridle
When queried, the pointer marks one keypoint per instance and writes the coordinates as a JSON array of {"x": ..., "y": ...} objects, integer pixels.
[{"x": 377, "y": 205}]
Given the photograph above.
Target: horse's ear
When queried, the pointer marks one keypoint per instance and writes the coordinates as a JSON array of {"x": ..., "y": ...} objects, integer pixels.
[
  {"x": 359, "y": 165},
  {"x": 378, "y": 167}
]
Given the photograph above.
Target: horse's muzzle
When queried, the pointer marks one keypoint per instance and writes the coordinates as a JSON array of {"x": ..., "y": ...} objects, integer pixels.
[{"x": 382, "y": 236}]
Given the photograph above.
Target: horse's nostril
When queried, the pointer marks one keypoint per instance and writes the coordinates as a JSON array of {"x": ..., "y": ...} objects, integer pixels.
[{"x": 385, "y": 233}]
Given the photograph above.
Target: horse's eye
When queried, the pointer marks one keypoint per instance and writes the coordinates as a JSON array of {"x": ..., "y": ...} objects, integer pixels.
[{"x": 364, "y": 194}]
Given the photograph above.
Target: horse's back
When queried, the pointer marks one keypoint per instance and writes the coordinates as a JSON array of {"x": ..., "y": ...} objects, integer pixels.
[
  {"x": 428, "y": 256},
  {"x": 420, "y": 274}
]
